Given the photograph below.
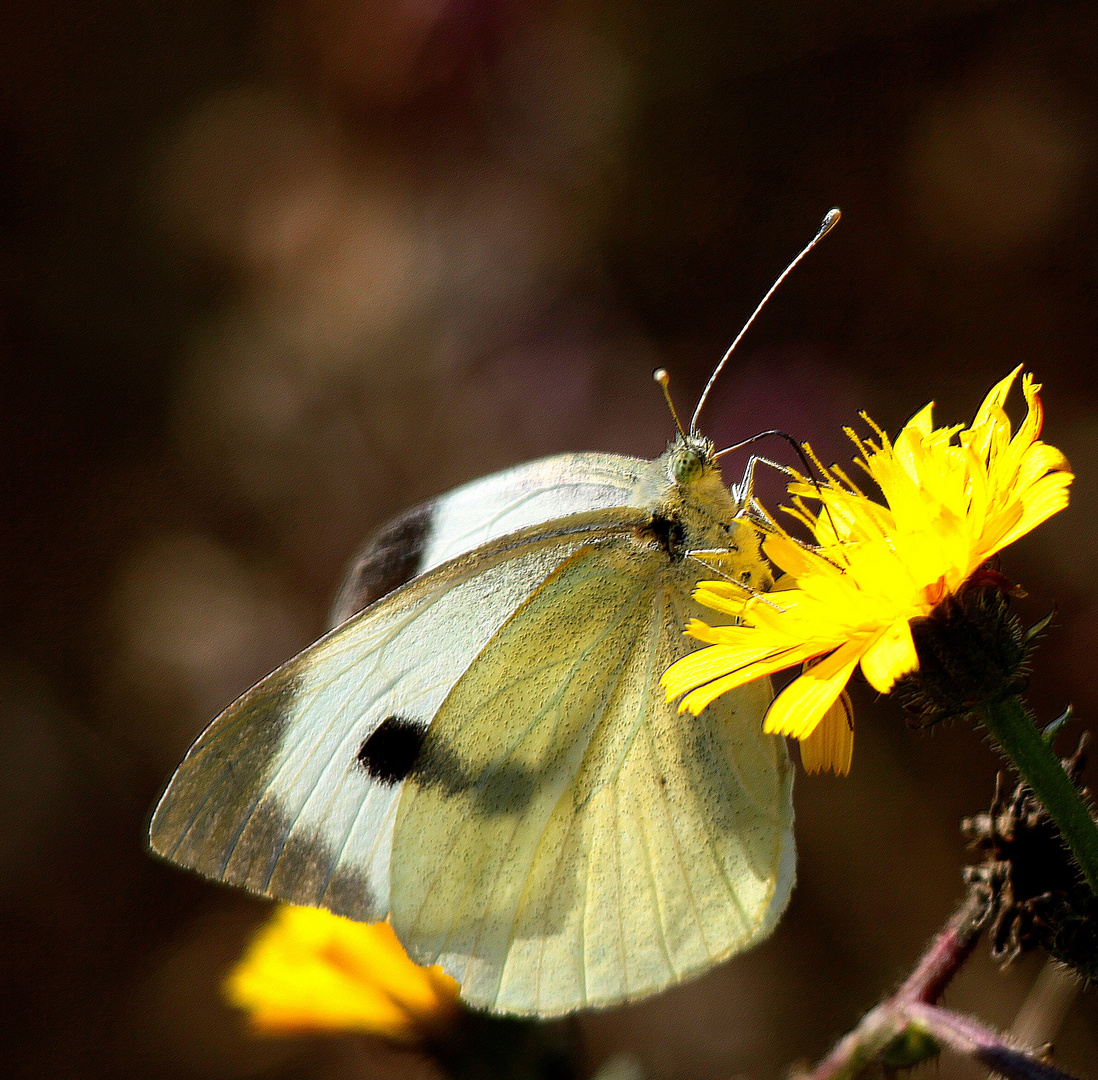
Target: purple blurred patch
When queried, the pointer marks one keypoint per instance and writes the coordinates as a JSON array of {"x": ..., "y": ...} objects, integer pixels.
[
  {"x": 542, "y": 387},
  {"x": 793, "y": 388}
]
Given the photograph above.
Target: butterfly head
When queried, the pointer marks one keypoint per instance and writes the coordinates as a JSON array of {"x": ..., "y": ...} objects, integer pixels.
[{"x": 695, "y": 514}]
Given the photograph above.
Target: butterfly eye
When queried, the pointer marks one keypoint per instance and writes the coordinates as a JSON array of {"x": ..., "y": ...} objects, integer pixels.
[{"x": 686, "y": 465}]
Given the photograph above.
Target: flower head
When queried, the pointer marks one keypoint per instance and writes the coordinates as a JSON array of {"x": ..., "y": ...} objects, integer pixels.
[
  {"x": 952, "y": 498},
  {"x": 310, "y": 970}
]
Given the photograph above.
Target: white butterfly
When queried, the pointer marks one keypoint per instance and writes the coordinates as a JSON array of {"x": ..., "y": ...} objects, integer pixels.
[{"x": 484, "y": 754}]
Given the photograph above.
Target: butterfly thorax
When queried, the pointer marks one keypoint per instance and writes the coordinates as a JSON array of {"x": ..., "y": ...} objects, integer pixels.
[{"x": 694, "y": 514}]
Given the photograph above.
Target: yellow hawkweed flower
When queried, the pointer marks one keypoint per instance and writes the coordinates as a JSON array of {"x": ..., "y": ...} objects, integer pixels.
[
  {"x": 953, "y": 497},
  {"x": 310, "y": 970}
]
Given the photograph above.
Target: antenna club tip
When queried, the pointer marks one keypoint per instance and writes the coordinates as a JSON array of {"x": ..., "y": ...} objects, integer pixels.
[
  {"x": 831, "y": 219},
  {"x": 661, "y": 376}
]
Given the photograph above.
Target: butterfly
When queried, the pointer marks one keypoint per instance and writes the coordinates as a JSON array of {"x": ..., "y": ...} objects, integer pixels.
[{"x": 483, "y": 754}]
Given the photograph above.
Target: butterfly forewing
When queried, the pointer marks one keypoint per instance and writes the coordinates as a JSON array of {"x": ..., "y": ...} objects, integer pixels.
[
  {"x": 277, "y": 795},
  {"x": 569, "y": 839},
  {"x": 487, "y": 509},
  {"x": 516, "y": 498}
]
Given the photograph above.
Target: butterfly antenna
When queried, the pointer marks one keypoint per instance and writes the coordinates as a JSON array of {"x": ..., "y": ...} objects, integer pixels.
[
  {"x": 773, "y": 433},
  {"x": 826, "y": 226},
  {"x": 661, "y": 376}
]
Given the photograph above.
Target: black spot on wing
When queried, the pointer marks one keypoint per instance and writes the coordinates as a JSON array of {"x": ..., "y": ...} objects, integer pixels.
[
  {"x": 390, "y": 559},
  {"x": 391, "y": 752},
  {"x": 396, "y": 751}
]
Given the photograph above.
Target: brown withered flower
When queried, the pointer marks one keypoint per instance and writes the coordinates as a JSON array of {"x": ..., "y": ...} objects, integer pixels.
[{"x": 1034, "y": 892}]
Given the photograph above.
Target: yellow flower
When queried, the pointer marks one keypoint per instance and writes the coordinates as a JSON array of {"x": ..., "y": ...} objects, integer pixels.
[
  {"x": 310, "y": 970},
  {"x": 953, "y": 497}
]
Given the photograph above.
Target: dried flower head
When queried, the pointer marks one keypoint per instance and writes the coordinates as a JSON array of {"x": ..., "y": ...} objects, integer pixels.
[{"x": 1034, "y": 892}]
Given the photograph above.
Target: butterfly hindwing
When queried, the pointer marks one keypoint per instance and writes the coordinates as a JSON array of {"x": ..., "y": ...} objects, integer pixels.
[
  {"x": 283, "y": 794},
  {"x": 568, "y": 839}
]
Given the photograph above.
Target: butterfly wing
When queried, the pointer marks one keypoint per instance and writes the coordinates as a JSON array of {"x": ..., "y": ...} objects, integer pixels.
[
  {"x": 569, "y": 839},
  {"x": 282, "y": 794},
  {"x": 484, "y": 510},
  {"x": 554, "y": 487}
]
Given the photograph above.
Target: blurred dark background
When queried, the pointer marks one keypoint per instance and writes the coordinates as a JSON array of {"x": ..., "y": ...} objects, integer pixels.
[{"x": 274, "y": 271}]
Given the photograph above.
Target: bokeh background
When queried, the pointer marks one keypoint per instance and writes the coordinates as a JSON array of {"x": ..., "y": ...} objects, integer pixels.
[{"x": 274, "y": 271}]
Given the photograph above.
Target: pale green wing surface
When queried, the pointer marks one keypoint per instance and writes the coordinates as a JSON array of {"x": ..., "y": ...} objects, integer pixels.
[
  {"x": 274, "y": 796},
  {"x": 568, "y": 839}
]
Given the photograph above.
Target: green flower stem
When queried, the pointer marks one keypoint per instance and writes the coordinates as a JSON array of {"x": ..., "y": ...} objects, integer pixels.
[{"x": 1012, "y": 728}]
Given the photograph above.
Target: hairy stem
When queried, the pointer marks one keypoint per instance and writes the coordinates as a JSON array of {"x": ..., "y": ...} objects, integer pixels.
[
  {"x": 968, "y": 1037},
  {"x": 945, "y": 954},
  {"x": 1012, "y": 728},
  {"x": 911, "y": 1019}
]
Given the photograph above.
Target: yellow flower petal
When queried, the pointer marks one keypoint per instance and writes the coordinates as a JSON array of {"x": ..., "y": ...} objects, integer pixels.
[
  {"x": 792, "y": 557},
  {"x": 1039, "y": 459},
  {"x": 1046, "y": 497},
  {"x": 718, "y": 635},
  {"x": 707, "y": 664},
  {"x": 310, "y": 970},
  {"x": 922, "y": 422},
  {"x": 722, "y": 596},
  {"x": 800, "y": 707},
  {"x": 995, "y": 398},
  {"x": 831, "y": 746},
  {"x": 891, "y": 655},
  {"x": 709, "y": 691}
]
